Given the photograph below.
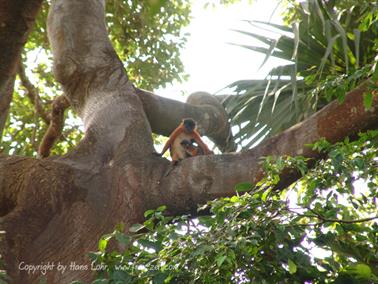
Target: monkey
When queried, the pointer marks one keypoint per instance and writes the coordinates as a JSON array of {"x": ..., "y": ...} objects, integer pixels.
[
  {"x": 185, "y": 131},
  {"x": 191, "y": 150}
]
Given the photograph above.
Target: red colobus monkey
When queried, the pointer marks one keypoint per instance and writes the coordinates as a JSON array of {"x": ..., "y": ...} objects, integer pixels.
[{"x": 181, "y": 140}]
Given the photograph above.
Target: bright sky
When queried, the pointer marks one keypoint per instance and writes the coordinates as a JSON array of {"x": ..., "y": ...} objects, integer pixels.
[{"x": 210, "y": 60}]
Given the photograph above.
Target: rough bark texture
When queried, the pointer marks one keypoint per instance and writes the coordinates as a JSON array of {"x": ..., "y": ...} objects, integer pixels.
[
  {"x": 6, "y": 94},
  {"x": 54, "y": 210}
]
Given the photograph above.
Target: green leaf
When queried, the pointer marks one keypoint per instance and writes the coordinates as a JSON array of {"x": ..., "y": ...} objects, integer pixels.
[
  {"x": 148, "y": 213},
  {"x": 220, "y": 259},
  {"x": 265, "y": 195},
  {"x": 149, "y": 224},
  {"x": 361, "y": 270},
  {"x": 104, "y": 242},
  {"x": 368, "y": 100},
  {"x": 206, "y": 220},
  {"x": 161, "y": 208},
  {"x": 234, "y": 199},
  {"x": 122, "y": 239},
  {"x": 102, "y": 245},
  {"x": 243, "y": 186},
  {"x": 374, "y": 77},
  {"x": 292, "y": 267}
]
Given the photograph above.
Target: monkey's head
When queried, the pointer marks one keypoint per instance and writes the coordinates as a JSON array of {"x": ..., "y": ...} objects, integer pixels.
[{"x": 189, "y": 124}]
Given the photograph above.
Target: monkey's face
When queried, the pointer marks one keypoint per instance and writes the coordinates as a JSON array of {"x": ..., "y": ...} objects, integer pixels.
[{"x": 189, "y": 125}]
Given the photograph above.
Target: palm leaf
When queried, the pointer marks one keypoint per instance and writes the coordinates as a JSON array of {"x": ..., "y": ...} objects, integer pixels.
[{"x": 316, "y": 46}]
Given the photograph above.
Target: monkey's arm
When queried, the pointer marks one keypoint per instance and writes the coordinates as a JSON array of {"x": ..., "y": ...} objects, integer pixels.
[
  {"x": 172, "y": 138},
  {"x": 200, "y": 143}
]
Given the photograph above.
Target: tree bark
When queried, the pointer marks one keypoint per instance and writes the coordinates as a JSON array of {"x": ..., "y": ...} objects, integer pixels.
[
  {"x": 54, "y": 210},
  {"x": 165, "y": 114},
  {"x": 6, "y": 94}
]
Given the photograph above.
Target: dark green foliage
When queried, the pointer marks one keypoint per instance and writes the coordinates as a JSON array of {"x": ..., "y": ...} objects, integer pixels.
[
  {"x": 321, "y": 229},
  {"x": 25, "y": 128},
  {"x": 145, "y": 34}
]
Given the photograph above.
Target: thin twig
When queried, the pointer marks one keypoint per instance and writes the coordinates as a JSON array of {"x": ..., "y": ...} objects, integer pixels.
[
  {"x": 326, "y": 220},
  {"x": 33, "y": 94}
]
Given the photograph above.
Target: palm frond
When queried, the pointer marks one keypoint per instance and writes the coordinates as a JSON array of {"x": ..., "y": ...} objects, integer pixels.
[{"x": 324, "y": 42}]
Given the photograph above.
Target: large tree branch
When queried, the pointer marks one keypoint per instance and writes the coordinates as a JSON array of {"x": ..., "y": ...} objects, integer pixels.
[
  {"x": 165, "y": 114},
  {"x": 6, "y": 94},
  {"x": 96, "y": 85},
  {"x": 16, "y": 20},
  {"x": 199, "y": 179}
]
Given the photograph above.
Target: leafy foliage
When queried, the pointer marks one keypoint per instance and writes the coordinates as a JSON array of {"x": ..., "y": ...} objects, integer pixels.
[
  {"x": 145, "y": 34},
  {"x": 330, "y": 48},
  {"x": 321, "y": 229},
  {"x": 25, "y": 128}
]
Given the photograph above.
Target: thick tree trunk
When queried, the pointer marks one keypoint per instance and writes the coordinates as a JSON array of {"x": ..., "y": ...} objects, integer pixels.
[{"x": 54, "y": 210}]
